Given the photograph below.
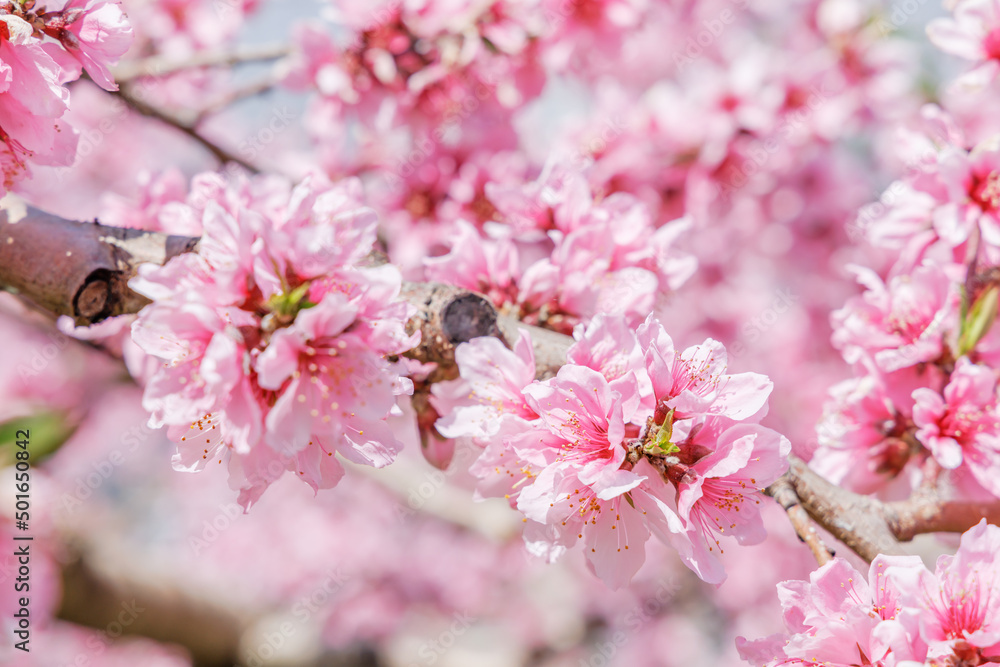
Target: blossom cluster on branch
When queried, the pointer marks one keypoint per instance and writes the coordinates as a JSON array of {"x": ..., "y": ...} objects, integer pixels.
[
  {"x": 630, "y": 438},
  {"x": 271, "y": 341},
  {"x": 609, "y": 261}
]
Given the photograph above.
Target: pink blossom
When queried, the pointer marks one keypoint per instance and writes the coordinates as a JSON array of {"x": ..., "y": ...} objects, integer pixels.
[
  {"x": 959, "y": 604},
  {"x": 609, "y": 345},
  {"x": 862, "y": 444},
  {"x": 334, "y": 390},
  {"x": 583, "y": 490},
  {"x": 97, "y": 34},
  {"x": 695, "y": 382},
  {"x": 32, "y": 101},
  {"x": 581, "y": 470},
  {"x": 574, "y": 482},
  {"x": 900, "y": 323},
  {"x": 719, "y": 494},
  {"x": 274, "y": 340},
  {"x": 961, "y": 427},
  {"x": 490, "y": 387},
  {"x": 972, "y": 33},
  {"x": 839, "y": 618}
]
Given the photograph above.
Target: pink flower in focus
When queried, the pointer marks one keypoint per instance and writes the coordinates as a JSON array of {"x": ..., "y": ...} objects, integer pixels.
[
  {"x": 861, "y": 435},
  {"x": 719, "y": 494},
  {"x": 490, "y": 386},
  {"x": 609, "y": 346},
  {"x": 577, "y": 463},
  {"x": 97, "y": 34},
  {"x": 695, "y": 382},
  {"x": 839, "y": 619},
  {"x": 333, "y": 389},
  {"x": 961, "y": 428},
  {"x": 583, "y": 489},
  {"x": 959, "y": 604},
  {"x": 274, "y": 340},
  {"x": 32, "y": 101}
]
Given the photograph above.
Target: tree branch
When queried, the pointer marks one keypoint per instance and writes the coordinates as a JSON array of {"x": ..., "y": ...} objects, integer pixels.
[
  {"x": 231, "y": 97},
  {"x": 785, "y": 495},
  {"x": 82, "y": 270},
  {"x": 857, "y": 521},
  {"x": 156, "y": 66},
  {"x": 188, "y": 126},
  {"x": 78, "y": 269}
]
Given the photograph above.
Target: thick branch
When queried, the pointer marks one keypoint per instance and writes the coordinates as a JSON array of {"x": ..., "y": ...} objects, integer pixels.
[
  {"x": 870, "y": 526},
  {"x": 857, "y": 521},
  {"x": 78, "y": 269},
  {"x": 82, "y": 269},
  {"x": 930, "y": 514}
]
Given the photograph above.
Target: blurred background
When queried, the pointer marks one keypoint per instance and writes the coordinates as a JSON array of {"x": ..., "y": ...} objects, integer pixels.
[{"x": 136, "y": 564}]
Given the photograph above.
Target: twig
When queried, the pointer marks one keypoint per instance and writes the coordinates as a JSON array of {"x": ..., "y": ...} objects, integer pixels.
[
  {"x": 785, "y": 495},
  {"x": 156, "y": 66},
  {"x": 187, "y": 125},
  {"x": 233, "y": 96}
]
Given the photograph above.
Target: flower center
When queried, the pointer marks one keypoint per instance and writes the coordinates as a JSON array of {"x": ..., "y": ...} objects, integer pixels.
[{"x": 986, "y": 191}]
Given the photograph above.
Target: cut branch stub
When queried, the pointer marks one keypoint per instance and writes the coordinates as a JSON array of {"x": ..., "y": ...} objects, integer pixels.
[
  {"x": 78, "y": 269},
  {"x": 446, "y": 317}
]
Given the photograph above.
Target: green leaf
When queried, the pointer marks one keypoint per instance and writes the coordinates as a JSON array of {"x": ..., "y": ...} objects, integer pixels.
[
  {"x": 661, "y": 444},
  {"x": 978, "y": 320},
  {"x": 47, "y": 431},
  {"x": 288, "y": 304}
]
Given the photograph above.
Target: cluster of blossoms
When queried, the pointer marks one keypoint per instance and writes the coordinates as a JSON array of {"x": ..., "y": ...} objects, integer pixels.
[
  {"x": 902, "y": 615},
  {"x": 923, "y": 340},
  {"x": 273, "y": 340},
  {"x": 554, "y": 256},
  {"x": 631, "y": 437},
  {"x": 42, "y": 47}
]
